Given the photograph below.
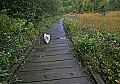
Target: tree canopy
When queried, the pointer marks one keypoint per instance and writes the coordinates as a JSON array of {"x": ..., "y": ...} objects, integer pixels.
[
  {"x": 30, "y": 9},
  {"x": 90, "y": 5}
]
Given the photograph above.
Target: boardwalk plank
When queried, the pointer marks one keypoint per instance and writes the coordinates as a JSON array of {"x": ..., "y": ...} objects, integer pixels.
[
  {"x": 55, "y": 74},
  {"x": 56, "y": 42},
  {"x": 52, "y": 63},
  {"x": 50, "y": 58},
  {"x": 52, "y": 46},
  {"x": 52, "y": 49},
  {"x": 63, "y": 81},
  {"x": 49, "y": 65},
  {"x": 53, "y": 53}
]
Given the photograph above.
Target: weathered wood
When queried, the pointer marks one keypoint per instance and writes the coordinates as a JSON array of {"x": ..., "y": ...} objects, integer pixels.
[
  {"x": 50, "y": 58},
  {"x": 62, "y": 81},
  {"x": 52, "y": 71},
  {"x": 56, "y": 45},
  {"x": 51, "y": 49},
  {"x": 52, "y": 63},
  {"x": 49, "y": 77},
  {"x": 97, "y": 77},
  {"x": 55, "y": 74},
  {"x": 53, "y": 53},
  {"x": 49, "y": 65},
  {"x": 60, "y": 41},
  {"x": 56, "y": 40}
]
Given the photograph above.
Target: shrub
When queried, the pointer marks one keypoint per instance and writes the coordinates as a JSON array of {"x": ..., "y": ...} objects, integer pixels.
[
  {"x": 15, "y": 36},
  {"x": 99, "y": 51}
]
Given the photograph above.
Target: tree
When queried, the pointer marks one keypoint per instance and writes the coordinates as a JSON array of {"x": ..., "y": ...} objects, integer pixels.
[
  {"x": 115, "y": 5},
  {"x": 31, "y": 9},
  {"x": 104, "y": 6}
]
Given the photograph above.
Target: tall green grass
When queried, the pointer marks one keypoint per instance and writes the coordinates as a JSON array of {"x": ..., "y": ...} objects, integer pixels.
[
  {"x": 15, "y": 36},
  {"x": 99, "y": 51}
]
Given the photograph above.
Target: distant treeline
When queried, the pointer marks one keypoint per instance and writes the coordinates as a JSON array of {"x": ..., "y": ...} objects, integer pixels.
[
  {"x": 30, "y": 9},
  {"x": 77, "y": 6}
]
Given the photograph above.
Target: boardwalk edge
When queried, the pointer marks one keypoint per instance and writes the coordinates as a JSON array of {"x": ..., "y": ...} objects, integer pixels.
[
  {"x": 10, "y": 78},
  {"x": 94, "y": 75}
]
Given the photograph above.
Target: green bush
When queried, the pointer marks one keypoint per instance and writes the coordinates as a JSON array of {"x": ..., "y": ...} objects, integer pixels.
[
  {"x": 72, "y": 27},
  {"x": 4, "y": 63},
  {"x": 31, "y": 10},
  {"x": 96, "y": 50},
  {"x": 22, "y": 21},
  {"x": 15, "y": 36}
]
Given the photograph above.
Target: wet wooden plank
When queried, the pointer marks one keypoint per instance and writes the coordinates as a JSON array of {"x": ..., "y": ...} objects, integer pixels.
[
  {"x": 40, "y": 55},
  {"x": 50, "y": 58},
  {"x": 63, "y": 74},
  {"x": 97, "y": 77},
  {"x": 56, "y": 40},
  {"x": 49, "y": 65},
  {"x": 59, "y": 36},
  {"x": 57, "y": 32},
  {"x": 61, "y": 41},
  {"x": 56, "y": 45},
  {"x": 47, "y": 72},
  {"x": 60, "y": 52},
  {"x": 45, "y": 49},
  {"x": 35, "y": 53},
  {"x": 52, "y": 63},
  {"x": 62, "y": 81}
]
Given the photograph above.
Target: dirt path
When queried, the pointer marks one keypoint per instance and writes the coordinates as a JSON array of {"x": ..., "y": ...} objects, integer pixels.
[{"x": 52, "y": 63}]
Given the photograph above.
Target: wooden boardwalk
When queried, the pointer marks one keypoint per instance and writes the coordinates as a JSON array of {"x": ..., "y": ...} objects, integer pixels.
[{"x": 52, "y": 63}]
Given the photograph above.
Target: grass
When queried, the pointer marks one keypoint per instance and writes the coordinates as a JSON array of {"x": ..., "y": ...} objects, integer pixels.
[
  {"x": 97, "y": 41},
  {"x": 15, "y": 37},
  {"x": 109, "y": 23}
]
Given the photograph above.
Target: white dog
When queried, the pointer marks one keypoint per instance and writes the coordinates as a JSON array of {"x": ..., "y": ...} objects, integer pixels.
[{"x": 46, "y": 38}]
